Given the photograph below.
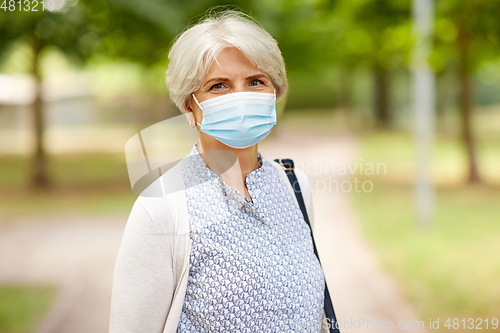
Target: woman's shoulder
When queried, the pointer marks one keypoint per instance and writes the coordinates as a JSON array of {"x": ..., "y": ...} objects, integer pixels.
[
  {"x": 168, "y": 206},
  {"x": 165, "y": 214},
  {"x": 305, "y": 186},
  {"x": 302, "y": 177}
]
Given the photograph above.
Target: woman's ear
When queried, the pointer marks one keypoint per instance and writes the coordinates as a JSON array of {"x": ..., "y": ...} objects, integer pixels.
[{"x": 190, "y": 117}]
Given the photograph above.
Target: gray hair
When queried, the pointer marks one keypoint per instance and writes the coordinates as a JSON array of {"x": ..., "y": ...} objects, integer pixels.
[{"x": 195, "y": 49}]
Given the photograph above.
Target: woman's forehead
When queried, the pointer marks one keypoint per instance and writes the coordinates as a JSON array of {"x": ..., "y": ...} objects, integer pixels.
[{"x": 231, "y": 62}]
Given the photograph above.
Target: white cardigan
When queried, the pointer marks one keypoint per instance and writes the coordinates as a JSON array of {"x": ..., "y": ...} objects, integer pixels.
[{"x": 152, "y": 267}]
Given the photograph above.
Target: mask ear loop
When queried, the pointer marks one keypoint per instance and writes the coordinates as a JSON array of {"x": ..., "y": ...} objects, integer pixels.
[
  {"x": 196, "y": 101},
  {"x": 274, "y": 94},
  {"x": 200, "y": 106}
]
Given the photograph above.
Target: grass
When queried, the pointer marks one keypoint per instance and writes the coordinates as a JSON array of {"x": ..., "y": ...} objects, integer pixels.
[
  {"x": 452, "y": 269},
  {"x": 22, "y": 307},
  {"x": 80, "y": 184},
  {"x": 397, "y": 151}
]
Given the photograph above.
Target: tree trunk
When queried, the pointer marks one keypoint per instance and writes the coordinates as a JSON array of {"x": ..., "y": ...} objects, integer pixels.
[
  {"x": 466, "y": 107},
  {"x": 39, "y": 170},
  {"x": 381, "y": 98}
]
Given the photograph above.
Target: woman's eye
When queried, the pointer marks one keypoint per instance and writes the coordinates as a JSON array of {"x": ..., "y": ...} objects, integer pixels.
[
  {"x": 256, "y": 82},
  {"x": 217, "y": 86}
]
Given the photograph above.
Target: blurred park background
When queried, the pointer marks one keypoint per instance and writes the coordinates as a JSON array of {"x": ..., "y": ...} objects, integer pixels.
[{"x": 77, "y": 82}]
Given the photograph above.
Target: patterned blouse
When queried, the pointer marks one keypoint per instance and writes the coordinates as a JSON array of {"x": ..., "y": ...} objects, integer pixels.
[{"x": 252, "y": 266}]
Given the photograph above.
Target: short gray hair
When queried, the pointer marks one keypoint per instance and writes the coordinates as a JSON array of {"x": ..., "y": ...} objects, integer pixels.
[{"x": 195, "y": 49}]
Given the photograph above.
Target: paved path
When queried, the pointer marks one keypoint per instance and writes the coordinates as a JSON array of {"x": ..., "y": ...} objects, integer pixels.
[{"x": 79, "y": 252}]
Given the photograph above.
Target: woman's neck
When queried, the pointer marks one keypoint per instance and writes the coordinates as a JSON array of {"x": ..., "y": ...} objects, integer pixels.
[{"x": 233, "y": 166}]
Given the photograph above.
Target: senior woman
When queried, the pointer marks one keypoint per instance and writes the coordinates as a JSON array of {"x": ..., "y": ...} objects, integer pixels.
[{"x": 231, "y": 252}]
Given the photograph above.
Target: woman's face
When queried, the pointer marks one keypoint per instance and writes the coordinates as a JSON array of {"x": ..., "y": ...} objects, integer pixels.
[{"x": 231, "y": 72}]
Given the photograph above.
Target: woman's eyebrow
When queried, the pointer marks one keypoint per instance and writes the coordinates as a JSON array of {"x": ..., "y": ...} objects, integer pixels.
[
  {"x": 220, "y": 79},
  {"x": 257, "y": 76}
]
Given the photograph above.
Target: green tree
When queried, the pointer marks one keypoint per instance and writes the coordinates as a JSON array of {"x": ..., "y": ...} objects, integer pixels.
[
  {"x": 116, "y": 29},
  {"x": 467, "y": 35},
  {"x": 385, "y": 29}
]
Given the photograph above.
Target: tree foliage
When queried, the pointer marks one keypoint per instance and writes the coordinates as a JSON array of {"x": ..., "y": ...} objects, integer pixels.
[{"x": 314, "y": 36}]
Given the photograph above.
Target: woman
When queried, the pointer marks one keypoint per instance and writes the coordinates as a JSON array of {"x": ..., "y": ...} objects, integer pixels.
[{"x": 231, "y": 252}]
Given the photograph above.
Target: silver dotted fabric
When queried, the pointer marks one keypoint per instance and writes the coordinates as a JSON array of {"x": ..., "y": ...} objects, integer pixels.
[{"x": 252, "y": 265}]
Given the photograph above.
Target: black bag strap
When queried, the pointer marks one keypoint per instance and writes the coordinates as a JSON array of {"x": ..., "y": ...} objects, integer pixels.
[{"x": 288, "y": 166}]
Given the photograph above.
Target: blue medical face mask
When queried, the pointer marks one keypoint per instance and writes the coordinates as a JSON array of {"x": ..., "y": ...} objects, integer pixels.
[{"x": 239, "y": 120}]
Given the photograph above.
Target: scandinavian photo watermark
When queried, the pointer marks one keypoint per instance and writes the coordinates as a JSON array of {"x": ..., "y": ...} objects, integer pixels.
[{"x": 330, "y": 177}]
